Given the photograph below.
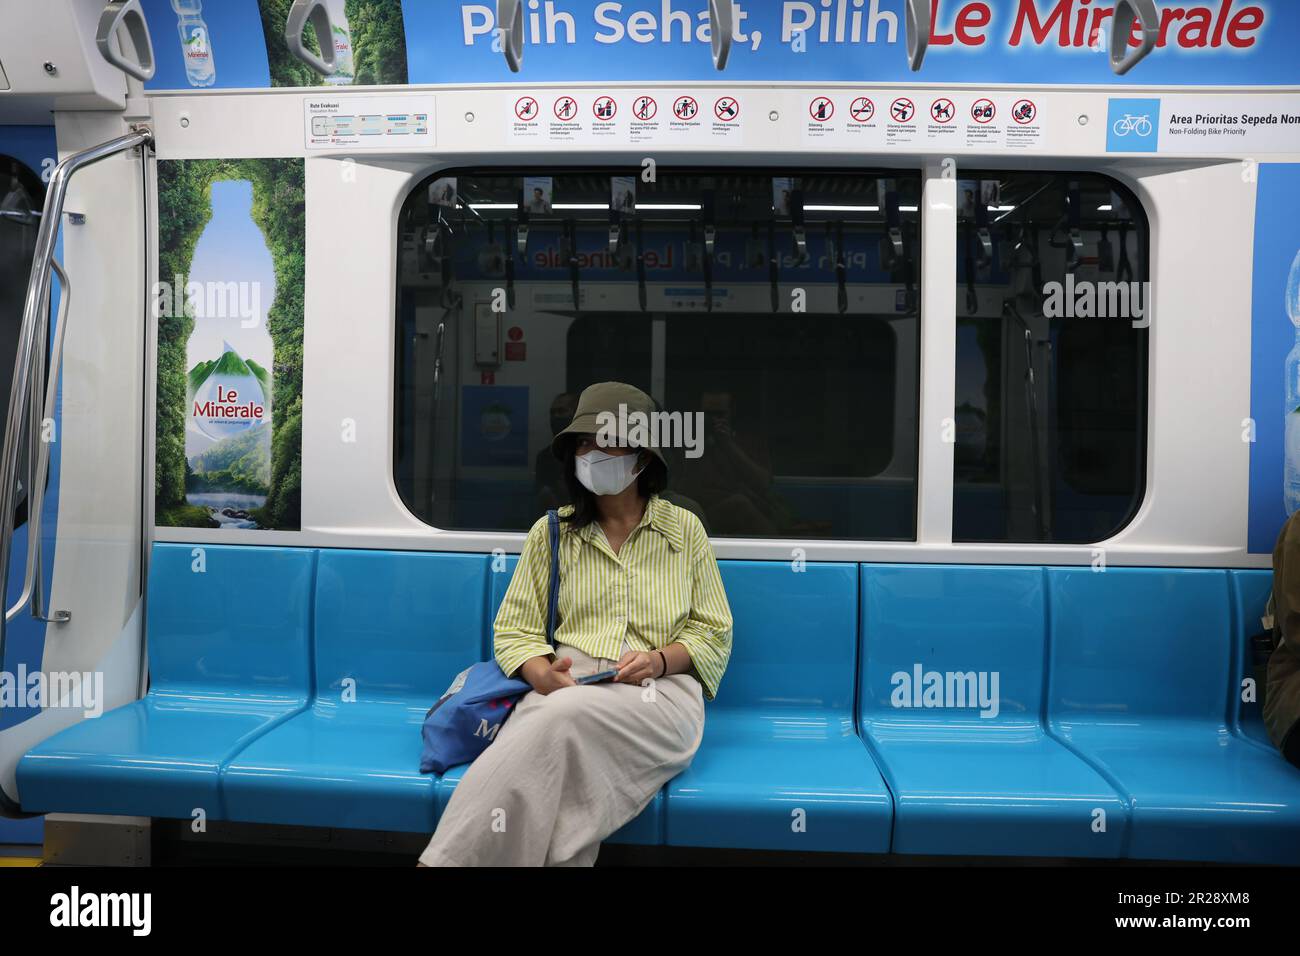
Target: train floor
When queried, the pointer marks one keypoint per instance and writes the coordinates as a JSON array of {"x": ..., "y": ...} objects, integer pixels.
[{"x": 173, "y": 844}]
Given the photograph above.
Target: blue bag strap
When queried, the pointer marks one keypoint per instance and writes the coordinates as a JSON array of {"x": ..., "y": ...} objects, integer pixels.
[{"x": 553, "y": 530}]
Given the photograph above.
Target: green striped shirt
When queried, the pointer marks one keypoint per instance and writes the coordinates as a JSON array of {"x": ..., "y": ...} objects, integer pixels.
[{"x": 662, "y": 586}]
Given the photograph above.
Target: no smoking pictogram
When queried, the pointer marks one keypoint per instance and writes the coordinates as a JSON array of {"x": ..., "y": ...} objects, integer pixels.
[
  {"x": 821, "y": 109},
  {"x": 862, "y": 109},
  {"x": 902, "y": 109},
  {"x": 566, "y": 108},
  {"x": 726, "y": 109},
  {"x": 942, "y": 110},
  {"x": 526, "y": 108},
  {"x": 1024, "y": 112},
  {"x": 645, "y": 108},
  {"x": 604, "y": 107},
  {"x": 983, "y": 111}
]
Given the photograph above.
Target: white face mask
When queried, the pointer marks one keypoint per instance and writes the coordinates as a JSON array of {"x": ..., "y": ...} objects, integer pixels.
[{"x": 604, "y": 474}]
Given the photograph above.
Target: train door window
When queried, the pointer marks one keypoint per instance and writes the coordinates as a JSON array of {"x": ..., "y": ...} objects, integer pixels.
[
  {"x": 1052, "y": 344},
  {"x": 778, "y": 311},
  {"x": 21, "y": 197}
]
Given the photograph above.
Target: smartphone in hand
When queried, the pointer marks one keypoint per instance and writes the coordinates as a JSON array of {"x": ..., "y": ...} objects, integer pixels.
[{"x": 599, "y": 677}]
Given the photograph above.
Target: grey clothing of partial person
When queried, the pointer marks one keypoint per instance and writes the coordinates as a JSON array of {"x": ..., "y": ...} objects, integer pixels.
[{"x": 568, "y": 769}]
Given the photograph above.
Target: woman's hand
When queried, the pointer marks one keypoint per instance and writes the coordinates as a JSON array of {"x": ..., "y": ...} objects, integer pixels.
[
  {"x": 636, "y": 666},
  {"x": 546, "y": 675}
]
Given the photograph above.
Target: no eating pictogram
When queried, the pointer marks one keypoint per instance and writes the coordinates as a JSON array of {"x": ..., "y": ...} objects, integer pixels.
[{"x": 604, "y": 107}]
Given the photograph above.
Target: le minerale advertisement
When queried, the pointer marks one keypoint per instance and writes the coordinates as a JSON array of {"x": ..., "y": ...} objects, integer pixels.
[
  {"x": 230, "y": 44},
  {"x": 230, "y": 322}
]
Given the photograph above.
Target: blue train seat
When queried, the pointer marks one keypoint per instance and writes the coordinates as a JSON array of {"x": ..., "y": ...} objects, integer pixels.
[
  {"x": 392, "y": 631},
  {"x": 1250, "y": 593},
  {"x": 1141, "y": 684},
  {"x": 781, "y": 765},
  {"x": 230, "y": 634},
  {"x": 974, "y": 772}
]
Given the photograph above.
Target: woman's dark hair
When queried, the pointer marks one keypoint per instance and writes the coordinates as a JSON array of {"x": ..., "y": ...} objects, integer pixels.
[{"x": 652, "y": 480}]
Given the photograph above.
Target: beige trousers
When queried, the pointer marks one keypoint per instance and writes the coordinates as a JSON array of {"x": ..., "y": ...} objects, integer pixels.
[{"x": 569, "y": 768}]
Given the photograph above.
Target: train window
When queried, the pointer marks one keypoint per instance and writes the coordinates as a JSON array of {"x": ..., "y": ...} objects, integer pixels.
[
  {"x": 21, "y": 198},
  {"x": 1051, "y": 357},
  {"x": 780, "y": 311}
]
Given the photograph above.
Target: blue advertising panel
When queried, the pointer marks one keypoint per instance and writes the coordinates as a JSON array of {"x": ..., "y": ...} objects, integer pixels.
[
  {"x": 212, "y": 46},
  {"x": 1275, "y": 356},
  {"x": 1213, "y": 42},
  {"x": 240, "y": 43}
]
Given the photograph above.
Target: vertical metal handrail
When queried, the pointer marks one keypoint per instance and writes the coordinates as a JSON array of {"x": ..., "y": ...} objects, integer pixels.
[
  {"x": 35, "y": 318},
  {"x": 38, "y": 455}
]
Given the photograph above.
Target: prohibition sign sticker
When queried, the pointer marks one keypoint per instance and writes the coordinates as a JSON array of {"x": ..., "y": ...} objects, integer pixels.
[
  {"x": 1024, "y": 112},
  {"x": 821, "y": 109},
  {"x": 726, "y": 109},
  {"x": 604, "y": 107},
  {"x": 686, "y": 108},
  {"x": 862, "y": 109},
  {"x": 645, "y": 108},
  {"x": 942, "y": 110},
  {"x": 983, "y": 111},
  {"x": 566, "y": 108},
  {"x": 902, "y": 109},
  {"x": 526, "y": 108}
]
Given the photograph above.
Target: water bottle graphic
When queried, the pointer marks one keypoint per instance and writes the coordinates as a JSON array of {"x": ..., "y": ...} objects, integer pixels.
[
  {"x": 196, "y": 43},
  {"x": 1291, "y": 482}
]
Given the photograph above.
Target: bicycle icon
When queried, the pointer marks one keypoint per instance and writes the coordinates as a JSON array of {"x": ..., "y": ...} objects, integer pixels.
[{"x": 1137, "y": 125}]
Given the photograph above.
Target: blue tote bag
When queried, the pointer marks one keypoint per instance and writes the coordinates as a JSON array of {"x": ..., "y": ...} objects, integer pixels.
[{"x": 468, "y": 716}]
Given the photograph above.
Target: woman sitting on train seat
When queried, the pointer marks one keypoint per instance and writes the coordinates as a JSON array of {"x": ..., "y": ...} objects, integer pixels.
[
  {"x": 640, "y": 592},
  {"x": 1282, "y": 692}
]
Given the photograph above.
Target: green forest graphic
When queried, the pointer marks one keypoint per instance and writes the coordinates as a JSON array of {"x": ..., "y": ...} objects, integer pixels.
[
  {"x": 236, "y": 464},
  {"x": 378, "y": 44}
]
